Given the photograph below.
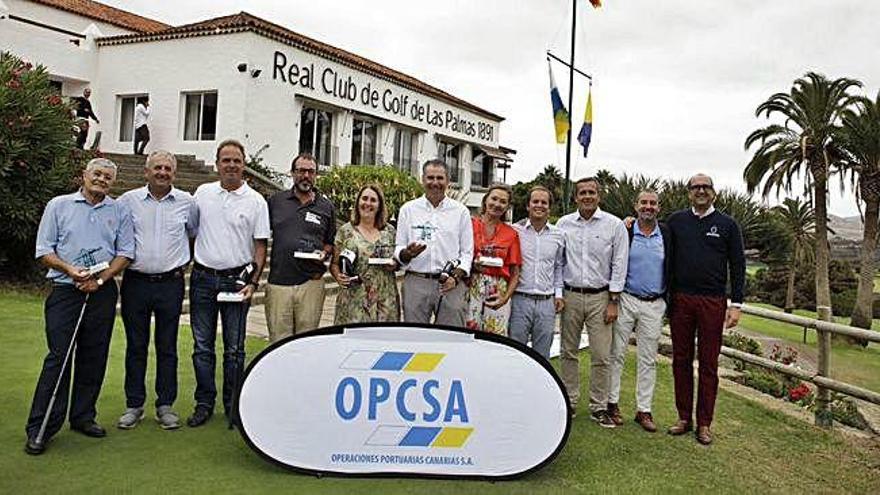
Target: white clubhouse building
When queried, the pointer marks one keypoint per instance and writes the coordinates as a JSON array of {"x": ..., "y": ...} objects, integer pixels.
[{"x": 243, "y": 77}]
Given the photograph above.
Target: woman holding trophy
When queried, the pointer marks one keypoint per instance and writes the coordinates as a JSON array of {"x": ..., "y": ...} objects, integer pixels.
[
  {"x": 363, "y": 263},
  {"x": 497, "y": 261}
]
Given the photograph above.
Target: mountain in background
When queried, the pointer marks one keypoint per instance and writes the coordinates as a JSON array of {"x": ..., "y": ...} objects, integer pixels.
[{"x": 849, "y": 228}]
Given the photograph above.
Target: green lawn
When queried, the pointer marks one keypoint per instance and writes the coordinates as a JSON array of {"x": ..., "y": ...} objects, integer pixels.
[
  {"x": 756, "y": 450},
  {"x": 853, "y": 364}
]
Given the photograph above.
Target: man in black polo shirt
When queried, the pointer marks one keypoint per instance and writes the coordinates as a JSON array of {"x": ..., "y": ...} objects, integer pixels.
[
  {"x": 706, "y": 244},
  {"x": 84, "y": 112},
  {"x": 303, "y": 228}
]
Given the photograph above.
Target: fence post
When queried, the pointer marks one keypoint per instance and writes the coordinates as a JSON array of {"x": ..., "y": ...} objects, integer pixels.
[{"x": 823, "y": 395}]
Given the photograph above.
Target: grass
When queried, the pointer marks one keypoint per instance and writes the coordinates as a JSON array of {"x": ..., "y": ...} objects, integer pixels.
[
  {"x": 853, "y": 364},
  {"x": 756, "y": 450}
]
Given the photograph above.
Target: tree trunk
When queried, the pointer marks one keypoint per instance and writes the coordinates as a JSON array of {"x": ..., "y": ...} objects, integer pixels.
[
  {"x": 820, "y": 192},
  {"x": 789, "y": 290},
  {"x": 863, "y": 312}
]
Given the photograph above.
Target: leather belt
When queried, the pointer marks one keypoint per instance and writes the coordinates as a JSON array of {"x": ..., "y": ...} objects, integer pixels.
[
  {"x": 433, "y": 276},
  {"x": 586, "y": 290},
  {"x": 156, "y": 277},
  {"x": 536, "y": 297},
  {"x": 645, "y": 298},
  {"x": 229, "y": 272}
]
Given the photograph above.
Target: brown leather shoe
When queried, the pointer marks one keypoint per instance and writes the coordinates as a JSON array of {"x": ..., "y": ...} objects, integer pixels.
[
  {"x": 680, "y": 428},
  {"x": 614, "y": 413},
  {"x": 646, "y": 421},
  {"x": 704, "y": 436}
]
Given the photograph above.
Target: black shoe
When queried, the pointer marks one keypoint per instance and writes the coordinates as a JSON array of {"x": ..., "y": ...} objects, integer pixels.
[
  {"x": 199, "y": 417},
  {"x": 90, "y": 429},
  {"x": 31, "y": 447}
]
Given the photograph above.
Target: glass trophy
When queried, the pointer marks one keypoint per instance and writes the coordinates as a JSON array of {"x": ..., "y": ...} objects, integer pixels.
[
  {"x": 383, "y": 254},
  {"x": 489, "y": 258},
  {"x": 347, "y": 260},
  {"x": 86, "y": 258},
  {"x": 240, "y": 283},
  {"x": 307, "y": 250}
]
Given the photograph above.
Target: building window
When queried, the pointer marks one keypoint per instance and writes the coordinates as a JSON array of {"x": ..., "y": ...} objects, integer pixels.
[
  {"x": 200, "y": 116},
  {"x": 481, "y": 169},
  {"x": 405, "y": 150},
  {"x": 363, "y": 142},
  {"x": 126, "y": 116},
  {"x": 314, "y": 134},
  {"x": 449, "y": 152}
]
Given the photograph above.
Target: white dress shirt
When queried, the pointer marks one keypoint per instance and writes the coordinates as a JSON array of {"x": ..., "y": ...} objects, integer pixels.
[
  {"x": 543, "y": 259},
  {"x": 141, "y": 115},
  {"x": 446, "y": 230},
  {"x": 596, "y": 250},
  {"x": 229, "y": 221},
  {"x": 162, "y": 228}
]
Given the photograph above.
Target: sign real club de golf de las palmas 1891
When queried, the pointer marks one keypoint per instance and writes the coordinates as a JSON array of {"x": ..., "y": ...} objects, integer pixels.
[{"x": 400, "y": 399}]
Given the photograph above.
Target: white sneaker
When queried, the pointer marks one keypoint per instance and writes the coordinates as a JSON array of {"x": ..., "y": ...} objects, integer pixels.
[
  {"x": 167, "y": 418},
  {"x": 130, "y": 419}
]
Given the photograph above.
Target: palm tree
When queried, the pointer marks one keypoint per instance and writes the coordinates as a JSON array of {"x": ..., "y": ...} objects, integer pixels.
[
  {"x": 859, "y": 137},
  {"x": 804, "y": 142},
  {"x": 798, "y": 226},
  {"x": 620, "y": 196}
]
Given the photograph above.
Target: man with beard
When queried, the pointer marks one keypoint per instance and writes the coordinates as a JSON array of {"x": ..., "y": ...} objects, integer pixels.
[
  {"x": 79, "y": 231},
  {"x": 642, "y": 306},
  {"x": 434, "y": 232},
  {"x": 707, "y": 244},
  {"x": 230, "y": 252},
  {"x": 303, "y": 230}
]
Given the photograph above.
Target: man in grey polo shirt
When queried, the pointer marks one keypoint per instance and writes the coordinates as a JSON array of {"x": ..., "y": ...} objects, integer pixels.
[
  {"x": 303, "y": 223},
  {"x": 596, "y": 249},
  {"x": 538, "y": 296},
  {"x": 432, "y": 231},
  {"x": 164, "y": 218}
]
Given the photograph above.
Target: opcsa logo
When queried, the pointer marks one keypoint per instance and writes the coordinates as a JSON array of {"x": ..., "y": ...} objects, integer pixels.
[{"x": 418, "y": 399}]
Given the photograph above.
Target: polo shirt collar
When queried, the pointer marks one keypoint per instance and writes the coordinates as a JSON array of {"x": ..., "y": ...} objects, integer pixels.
[
  {"x": 238, "y": 192},
  {"x": 710, "y": 211},
  {"x": 80, "y": 198},
  {"x": 637, "y": 231},
  {"x": 528, "y": 225},
  {"x": 598, "y": 214}
]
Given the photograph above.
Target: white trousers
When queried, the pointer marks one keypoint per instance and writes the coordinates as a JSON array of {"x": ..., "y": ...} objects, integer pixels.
[{"x": 645, "y": 318}]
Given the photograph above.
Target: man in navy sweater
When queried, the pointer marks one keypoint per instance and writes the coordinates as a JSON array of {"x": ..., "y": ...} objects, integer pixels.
[{"x": 706, "y": 244}]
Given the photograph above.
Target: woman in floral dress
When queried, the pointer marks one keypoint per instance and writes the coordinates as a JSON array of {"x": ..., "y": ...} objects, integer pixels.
[
  {"x": 497, "y": 261},
  {"x": 370, "y": 294}
]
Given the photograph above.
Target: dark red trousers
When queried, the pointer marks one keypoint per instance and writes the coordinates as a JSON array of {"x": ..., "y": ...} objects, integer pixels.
[{"x": 700, "y": 317}]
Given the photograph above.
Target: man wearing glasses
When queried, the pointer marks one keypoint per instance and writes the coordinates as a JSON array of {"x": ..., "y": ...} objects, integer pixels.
[
  {"x": 706, "y": 244},
  {"x": 303, "y": 229}
]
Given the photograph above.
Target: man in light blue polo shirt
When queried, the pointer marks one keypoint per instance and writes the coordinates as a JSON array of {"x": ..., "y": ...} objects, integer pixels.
[
  {"x": 165, "y": 219},
  {"x": 642, "y": 306},
  {"x": 538, "y": 296},
  {"x": 78, "y": 231}
]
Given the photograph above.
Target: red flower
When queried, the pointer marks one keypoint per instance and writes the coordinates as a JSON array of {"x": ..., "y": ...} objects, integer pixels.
[
  {"x": 799, "y": 392},
  {"x": 13, "y": 84},
  {"x": 54, "y": 100}
]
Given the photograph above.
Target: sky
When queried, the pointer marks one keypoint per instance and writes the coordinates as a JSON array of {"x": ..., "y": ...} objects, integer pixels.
[{"x": 675, "y": 82}]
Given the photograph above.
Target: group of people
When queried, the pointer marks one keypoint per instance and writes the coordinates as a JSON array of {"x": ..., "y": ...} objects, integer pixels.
[
  {"x": 480, "y": 273},
  {"x": 83, "y": 112}
]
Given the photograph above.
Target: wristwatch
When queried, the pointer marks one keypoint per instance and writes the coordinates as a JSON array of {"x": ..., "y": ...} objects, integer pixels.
[{"x": 99, "y": 281}]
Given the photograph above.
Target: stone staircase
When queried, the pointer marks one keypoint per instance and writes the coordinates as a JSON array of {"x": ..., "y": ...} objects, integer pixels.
[{"x": 191, "y": 173}]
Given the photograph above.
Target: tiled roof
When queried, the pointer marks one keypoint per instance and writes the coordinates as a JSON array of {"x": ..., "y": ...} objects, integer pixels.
[
  {"x": 106, "y": 13},
  {"x": 243, "y": 22}
]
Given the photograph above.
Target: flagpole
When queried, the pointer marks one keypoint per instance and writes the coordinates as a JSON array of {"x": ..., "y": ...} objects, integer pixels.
[{"x": 567, "y": 188}]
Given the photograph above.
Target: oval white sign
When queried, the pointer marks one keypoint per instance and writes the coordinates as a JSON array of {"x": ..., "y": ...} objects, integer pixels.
[{"x": 400, "y": 399}]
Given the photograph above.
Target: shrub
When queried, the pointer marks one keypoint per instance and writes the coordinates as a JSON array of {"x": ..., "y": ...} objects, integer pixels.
[
  {"x": 342, "y": 185},
  {"x": 801, "y": 395},
  {"x": 765, "y": 382},
  {"x": 787, "y": 355},
  {"x": 845, "y": 411},
  {"x": 38, "y": 159}
]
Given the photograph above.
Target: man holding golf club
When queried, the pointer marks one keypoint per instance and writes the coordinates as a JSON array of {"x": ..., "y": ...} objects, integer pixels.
[
  {"x": 434, "y": 232},
  {"x": 85, "y": 239}
]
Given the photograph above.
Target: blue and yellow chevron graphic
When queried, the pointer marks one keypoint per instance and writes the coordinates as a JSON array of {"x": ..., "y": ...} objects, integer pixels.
[
  {"x": 419, "y": 436},
  {"x": 413, "y": 362}
]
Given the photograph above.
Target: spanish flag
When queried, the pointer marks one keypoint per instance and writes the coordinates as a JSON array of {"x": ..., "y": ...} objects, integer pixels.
[
  {"x": 586, "y": 133},
  {"x": 560, "y": 114}
]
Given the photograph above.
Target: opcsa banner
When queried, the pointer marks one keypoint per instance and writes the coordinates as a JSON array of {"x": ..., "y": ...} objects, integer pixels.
[{"x": 400, "y": 399}]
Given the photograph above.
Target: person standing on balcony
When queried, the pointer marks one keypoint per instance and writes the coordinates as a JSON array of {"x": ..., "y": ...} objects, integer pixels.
[
  {"x": 642, "y": 306},
  {"x": 369, "y": 294},
  {"x": 707, "y": 244},
  {"x": 435, "y": 242},
  {"x": 141, "y": 128},
  {"x": 165, "y": 219},
  {"x": 230, "y": 251},
  {"x": 596, "y": 249},
  {"x": 496, "y": 265},
  {"x": 538, "y": 296},
  {"x": 303, "y": 225}
]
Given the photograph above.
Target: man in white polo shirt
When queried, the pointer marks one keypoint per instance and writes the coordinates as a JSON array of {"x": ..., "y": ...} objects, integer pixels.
[
  {"x": 433, "y": 231},
  {"x": 230, "y": 252}
]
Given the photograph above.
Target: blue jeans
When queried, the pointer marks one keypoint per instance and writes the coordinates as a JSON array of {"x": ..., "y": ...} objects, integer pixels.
[
  {"x": 533, "y": 318},
  {"x": 204, "y": 288}
]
